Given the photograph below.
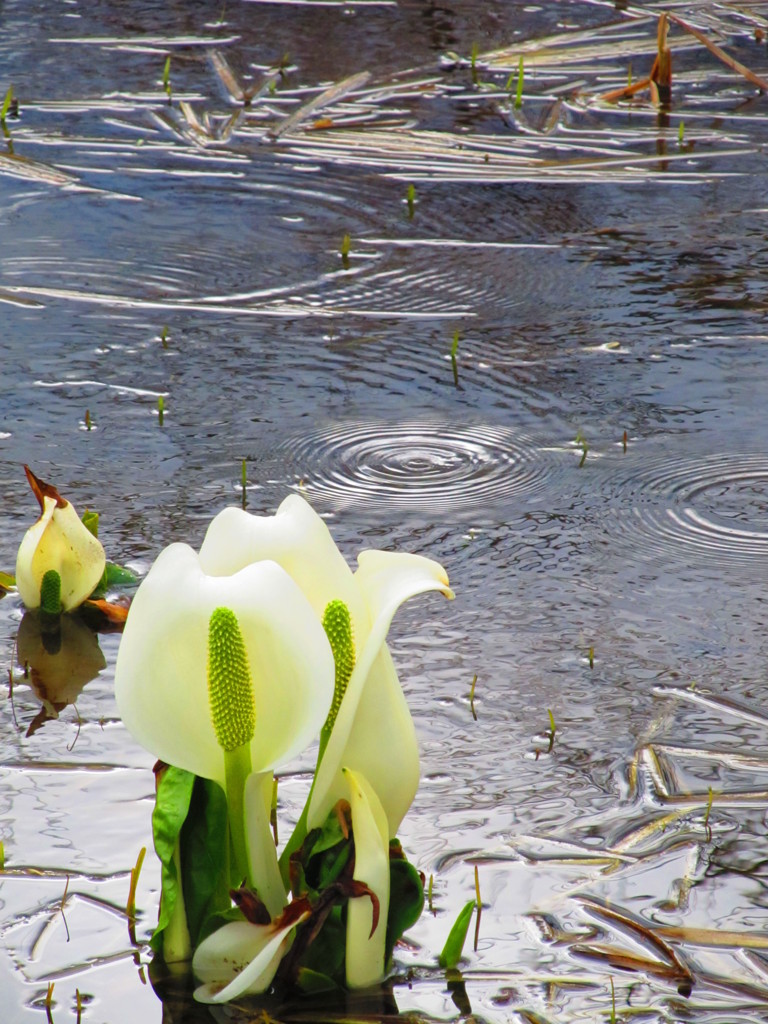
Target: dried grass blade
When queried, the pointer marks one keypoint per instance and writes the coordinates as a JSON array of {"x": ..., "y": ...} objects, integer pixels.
[
  {"x": 628, "y": 91},
  {"x": 715, "y": 937},
  {"x": 626, "y": 961},
  {"x": 227, "y": 76},
  {"x": 641, "y": 930},
  {"x": 721, "y": 54},
  {"x": 330, "y": 95}
]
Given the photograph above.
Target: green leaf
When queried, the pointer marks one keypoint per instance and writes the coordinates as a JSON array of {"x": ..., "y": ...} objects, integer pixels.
[
  {"x": 315, "y": 982},
  {"x": 6, "y": 103},
  {"x": 174, "y": 793},
  {"x": 454, "y": 945},
  {"x": 91, "y": 522},
  {"x": 406, "y": 901},
  {"x": 118, "y": 576},
  {"x": 205, "y": 861}
]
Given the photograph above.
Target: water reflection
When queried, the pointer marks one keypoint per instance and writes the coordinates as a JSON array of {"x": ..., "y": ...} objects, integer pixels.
[{"x": 59, "y": 657}]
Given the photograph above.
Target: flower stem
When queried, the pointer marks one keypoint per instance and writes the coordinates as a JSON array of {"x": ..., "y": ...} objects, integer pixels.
[
  {"x": 237, "y": 768},
  {"x": 263, "y": 868}
]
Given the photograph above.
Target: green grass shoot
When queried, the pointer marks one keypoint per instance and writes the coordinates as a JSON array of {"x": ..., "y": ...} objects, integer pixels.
[
  {"x": 473, "y": 61},
  {"x": 244, "y": 481},
  {"x": 88, "y": 423},
  {"x": 48, "y": 1003},
  {"x": 613, "y": 1002},
  {"x": 167, "y": 77},
  {"x": 410, "y": 198},
  {"x": 430, "y": 887},
  {"x": 454, "y": 944},
  {"x": 681, "y": 134},
  {"x": 520, "y": 80},
  {"x": 164, "y": 336},
  {"x": 591, "y": 657},
  {"x": 479, "y": 903},
  {"x": 78, "y": 1005},
  {"x": 130, "y": 906},
  {"x": 580, "y": 439},
  {"x": 454, "y": 364},
  {"x": 346, "y": 242},
  {"x": 2, "y": 857},
  {"x": 472, "y": 696},
  {"x": 552, "y": 730},
  {"x": 160, "y": 409},
  {"x": 6, "y": 104},
  {"x": 707, "y": 826},
  {"x": 624, "y": 440}
]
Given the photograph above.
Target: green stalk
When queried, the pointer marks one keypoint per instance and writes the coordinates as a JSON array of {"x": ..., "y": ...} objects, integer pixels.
[{"x": 237, "y": 768}]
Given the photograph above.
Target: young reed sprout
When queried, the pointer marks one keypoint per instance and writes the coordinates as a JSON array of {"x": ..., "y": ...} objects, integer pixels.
[
  {"x": 410, "y": 198},
  {"x": 164, "y": 332},
  {"x": 520, "y": 80},
  {"x": 88, "y": 423},
  {"x": 552, "y": 730},
  {"x": 344, "y": 251},
  {"x": 624, "y": 440},
  {"x": 581, "y": 440},
  {"x": 167, "y": 77},
  {"x": 472, "y": 697},
  {"x": 473, "y": 62},
  {"x": 454, "y": 945},
  {"x": 681, "y": 134},
  {"x": 7, "y": 103},
  {"x": 160, "y": 409},
  {"x": 130, "y": 906},
  {"x": 454, "y": 350},
  {"x": 430, "y": 887},
  {"x": 707, "y": 826},
  {"x": 479, "y": 902},
  {"x": 591, "y": 657}
]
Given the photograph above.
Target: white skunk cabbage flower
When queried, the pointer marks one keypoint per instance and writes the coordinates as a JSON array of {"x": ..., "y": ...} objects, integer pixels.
[
  {"x": 59, "y": 562},
  {"x": 226, "y": 677},
  {"x": 369, "y": 728}
]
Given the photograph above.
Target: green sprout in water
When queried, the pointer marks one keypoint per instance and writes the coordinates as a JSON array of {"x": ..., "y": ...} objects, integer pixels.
[
  {"x": 454, "y": 944},
  {"x": 160, "y": 409},
  {"x": 6, "y": 104},
  {"x": 88, "y": 421},
  {"x": 552, "y": 730},
  {"x": 580, "y": 439},
  {"x": 591, "y": 657},
  {"x": 479, "y": 903},
  {"x": 130, "y": 906},
  {"x": 681, "y": 134},
  {"x": 520, "y": 80},
  {"x": 473, "y": 62},
  {"x": 167, "y": 77},
  {"x": 244, "y": 481},
  {"x": 344, "y": 251},
  {"x": 454, "y": 350},
  {"x": 410, "y": 198},
  {"x": 164, "y": 332},
  {"x": 613, "y": 1002},
  {"x": 624, "y": 440},
  {"x": 707, "y": 826},
  {"x": 429, "y": 894},
  {"x": 472, "y": 696}
]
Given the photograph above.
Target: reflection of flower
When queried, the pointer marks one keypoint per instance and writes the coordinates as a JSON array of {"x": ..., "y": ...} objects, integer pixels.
[
  {"x": 60, "y": 659},
  {"x": 226, "y": 677},
  {"x": 373, "y": 732},
  {"x": 59, "y": 562}
]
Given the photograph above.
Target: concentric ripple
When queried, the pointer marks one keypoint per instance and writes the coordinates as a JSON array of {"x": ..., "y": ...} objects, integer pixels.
[
  {"x": 416, "y": 465},
  {"x": 715, "y": 508}
]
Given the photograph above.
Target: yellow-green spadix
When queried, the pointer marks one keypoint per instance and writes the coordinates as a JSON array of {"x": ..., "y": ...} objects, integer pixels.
[
  {"x": 58, "y": 556},
  {"x": 270, "y": 688},
  {"x": 373, "y": 733}
]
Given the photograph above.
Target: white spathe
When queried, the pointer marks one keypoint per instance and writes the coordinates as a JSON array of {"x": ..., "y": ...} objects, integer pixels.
[
  {"x": 365, "y": 949},
  {"x": 240, "y": 959},
  {"x": 373, "y": 733},
  {"x": 161, "y": 679},
  {"x": 59, "y": 541}
]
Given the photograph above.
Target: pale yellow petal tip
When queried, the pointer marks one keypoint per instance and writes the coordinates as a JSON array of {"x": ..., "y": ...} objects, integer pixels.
[{"x": 448, "y": 593}]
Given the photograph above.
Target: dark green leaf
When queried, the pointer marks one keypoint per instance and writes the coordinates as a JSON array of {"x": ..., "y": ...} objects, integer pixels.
[
  {"x": 174, "y": 793},
  {"x": 118, "y": 576},
  {"x": 406, "y": 901},
  {"x": 315, "y": 982},
  {"x": 454, "y": 945},
  {"x": 205, "y": 860}
]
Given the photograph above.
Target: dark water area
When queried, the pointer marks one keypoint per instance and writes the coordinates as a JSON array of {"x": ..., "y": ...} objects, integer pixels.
[{"x": 591, "y": 467}]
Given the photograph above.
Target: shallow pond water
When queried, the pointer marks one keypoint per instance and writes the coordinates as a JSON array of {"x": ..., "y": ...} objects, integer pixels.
[{"x": 591, "y": 466}]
